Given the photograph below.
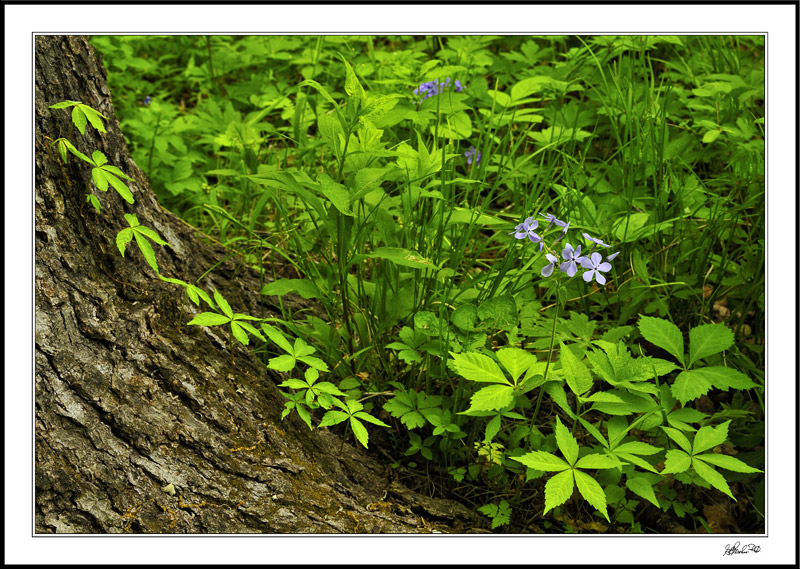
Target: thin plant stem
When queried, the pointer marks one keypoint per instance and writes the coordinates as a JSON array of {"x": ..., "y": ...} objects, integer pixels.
[{"x": 547, "y": 366}]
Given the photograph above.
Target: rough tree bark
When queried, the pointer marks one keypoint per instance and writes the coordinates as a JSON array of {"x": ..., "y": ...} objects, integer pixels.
[{"x": 129, "y": 400}]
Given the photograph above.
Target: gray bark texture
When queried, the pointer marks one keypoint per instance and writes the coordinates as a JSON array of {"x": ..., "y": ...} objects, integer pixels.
[{"x": 144, "y": 424}]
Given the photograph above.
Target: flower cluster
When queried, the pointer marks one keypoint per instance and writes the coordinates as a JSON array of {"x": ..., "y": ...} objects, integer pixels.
[
  {"x": 470, "y": 154},
  {"x": 431, "y": 88},
  {"x": 593, "y": 261},
  {"x": 147, "y": 101}
]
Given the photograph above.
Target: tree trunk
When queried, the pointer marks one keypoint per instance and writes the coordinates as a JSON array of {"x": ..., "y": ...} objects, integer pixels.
[{"x": 142, "y": 423}]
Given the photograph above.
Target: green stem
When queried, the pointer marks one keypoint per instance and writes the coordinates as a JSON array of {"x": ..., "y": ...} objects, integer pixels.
[
  {"x": 152, "y": 146},
  {"x": 547, "y": 367}
]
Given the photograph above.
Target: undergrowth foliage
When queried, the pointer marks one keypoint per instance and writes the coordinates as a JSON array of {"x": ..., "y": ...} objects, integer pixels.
[{"x": 385, "y": 177}]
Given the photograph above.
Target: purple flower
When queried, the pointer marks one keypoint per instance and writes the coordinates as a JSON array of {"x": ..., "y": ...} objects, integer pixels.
[
  {"x": 612, "y": 256},
  {"x": 526, "y": 229},
  {"x": 595, "y": 267},
  {"x": 470, "y": 154},
  {"x": 428, "y": 89},
  {"x": 548, "y": 269},
  {"x": 552, "y": 219},
  {"x": 572, "y": 257},
  {"x": 147, "y": 101},
  {"x": 595, "y": 241}
]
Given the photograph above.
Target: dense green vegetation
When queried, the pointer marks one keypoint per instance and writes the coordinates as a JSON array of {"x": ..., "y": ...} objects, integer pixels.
[{"x": 539, "y": 260}]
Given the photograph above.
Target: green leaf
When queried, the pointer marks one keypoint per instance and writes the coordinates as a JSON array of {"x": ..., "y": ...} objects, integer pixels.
[
  {"x": 516, "y": 361},
  {"x": 492, "y": 428},
  {"x": 465, "y": 317},
  {"x": 593, "y": 431},
  {"x": 727, "y": 462},
  {"x": 676, "y": 461},
  {"x": 79, "y": 119},
  {"x": 687, "y": 415},
  {"x": 566, "y": 442},
  {"x": 64, "y": 104},
  {"x": 294, "y": 383},
  {"x": 556, "y": 391},
  {"x": 146, "y": 249},
  {"x": 304, "y": 415},
  {"x": 333, "y": 417},
  {"x": 315, "y": 363},
  {"x": 277, "y": 337},
  {"x": 539, "y": 460},
  {"x": 711, "y": 476},
  {"x": 500, "y": 311},
  {"x": 689, "y": 385},
  {"x": 150, "y": 234},
  {"x": 636, "y": 447},
  {"x": 500, "y": 514},
  {"x": 209, "y": 319},
  {"x": 76, "y": 152},
  {"x": 617, "y": 428},
  {"x": 679, "y": 438},
  {"x": 301, "y": 348},
  {"x": 360, "y": 431},
  {"x": 492, "y": 398},
  {"x": 404, "y": 257},
  {"x": 119, "y": 185},
  {"x": 596, "y": 460},
  {"x": 399, "y": 404},
  {"x": 601, "y": 397},
  {"x": 123, "y": 238},
  {"x": 62, "y": 150},
  {"x": 642, "y": 487},
  {"x": 100, "y": 179},
  {"x": 93, "y": 116},
  {"x": 99, "y": 158},
  {"x": 711, "y": 136},
  {"x": 303, "y": 287},
  {"x": 282, "y": 363},
  {"x": 92, "y": 199},
  {"x": 708, "y": 437},
  {"x": 223, "y": 304},
  {"x": 663, "y": 334},
  {"x": 116, "y": 171},
  {"x": 577, "y": 375},
  {"x": 364, "y": 416},
  {"x": 478, "y": 367},
  {"x": 633, "y": 459},
  {"x": 558, "y": 490},
  {"x": 173, "y": 281},
  {"x": 707, "y": 340},
  {"x": 132, "y": 220},
  {"x": 336, "y": 193},
  {"x": 723, "y": 377},
  {"x": 239, "y": 333},
  {"x": 320, "y": 88},
  {"x": 591, "y": 491},
  {"x": 631, "y": 403},
  {"x": 196, "y": 293},
  {"x": 352, "y": 86}
]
